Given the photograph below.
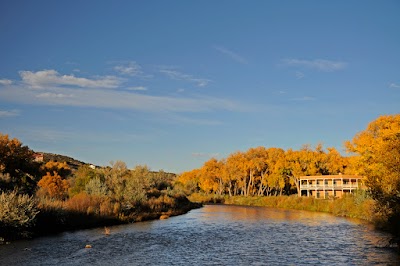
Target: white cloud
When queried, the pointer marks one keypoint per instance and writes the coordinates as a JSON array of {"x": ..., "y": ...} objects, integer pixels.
[
  {"x": 8, "y": 113},
  {"x": 5, "y": 82},
  {"x": 176, "y": 75},
  {"x": 231, "y": 54},
  {"x": 130, "y": 69},
  {"x": 118, "y": 99},
  {"x": 49, "y": 78},
  {"x": 53, "y": 95},
  {"x": 394, "y": 86},
  {"x": 72, "y": 91},
  {"x": 318, "y": 64}
]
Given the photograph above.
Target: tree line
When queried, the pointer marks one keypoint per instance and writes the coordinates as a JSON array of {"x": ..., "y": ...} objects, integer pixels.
[{"x": 264, "y": 171}]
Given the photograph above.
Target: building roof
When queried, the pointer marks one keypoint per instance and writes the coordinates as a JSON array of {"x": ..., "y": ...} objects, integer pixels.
[{"x": 331, "y": 177}]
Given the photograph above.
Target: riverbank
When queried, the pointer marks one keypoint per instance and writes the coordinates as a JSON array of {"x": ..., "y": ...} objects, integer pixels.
[
  {"x": 55, "y": 217},
  {"x": 355, "y": 206}
]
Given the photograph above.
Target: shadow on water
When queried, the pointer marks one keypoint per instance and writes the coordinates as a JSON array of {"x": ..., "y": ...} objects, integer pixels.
[{"x": 215, "y": 234}]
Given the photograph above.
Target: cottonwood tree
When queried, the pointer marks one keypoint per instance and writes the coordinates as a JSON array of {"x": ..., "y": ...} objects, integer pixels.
[
  {"x": 211, "y": 177},
  {"x": 378, "y": 150}
]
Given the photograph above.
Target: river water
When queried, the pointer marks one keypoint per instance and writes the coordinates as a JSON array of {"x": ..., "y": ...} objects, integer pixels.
[{"x": 214, "y": 235}]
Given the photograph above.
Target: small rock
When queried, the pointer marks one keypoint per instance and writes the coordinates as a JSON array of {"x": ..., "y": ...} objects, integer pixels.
[{"x": 164, "y": 216}]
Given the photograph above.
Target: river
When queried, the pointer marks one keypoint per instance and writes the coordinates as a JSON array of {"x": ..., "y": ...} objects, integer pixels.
[{"x": 214, "y": 235}]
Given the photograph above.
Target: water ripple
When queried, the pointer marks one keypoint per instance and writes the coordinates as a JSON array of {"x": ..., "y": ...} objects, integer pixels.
[{"x": 214, "y": 235}]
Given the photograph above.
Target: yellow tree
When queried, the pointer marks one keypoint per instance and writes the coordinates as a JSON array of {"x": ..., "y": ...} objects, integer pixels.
[
  {"x": 189, "y": 180},
  {"x": 53, "y": 186},
  {"x": 237, "y": 173},
  {"x": 378, "y": 150},
  {"x": 211, "y": 177},
  {"x": 301, "y": 163},
  {"x": 335, "y": 162},
  {"x": 256, "y": 166},
  {"x": 61, "y": 168},
  {"x": 273, "y": 173}
]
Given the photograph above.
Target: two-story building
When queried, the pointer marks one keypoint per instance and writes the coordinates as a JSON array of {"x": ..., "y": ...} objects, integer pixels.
[{"x": 329, "y": 186}]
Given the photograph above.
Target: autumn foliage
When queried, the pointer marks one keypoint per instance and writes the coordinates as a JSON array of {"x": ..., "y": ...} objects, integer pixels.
[
  {"x": 52, "y": 185},
  {"x": 377, "y": 150},
  {"x": 263, "y": 171}
]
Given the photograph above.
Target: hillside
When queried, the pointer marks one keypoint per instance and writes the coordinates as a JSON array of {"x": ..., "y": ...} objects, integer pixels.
[{"x": 73, "y": 163}]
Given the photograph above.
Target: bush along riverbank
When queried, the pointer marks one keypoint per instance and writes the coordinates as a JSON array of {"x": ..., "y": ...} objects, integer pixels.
[{"x": 25, "y": 217}]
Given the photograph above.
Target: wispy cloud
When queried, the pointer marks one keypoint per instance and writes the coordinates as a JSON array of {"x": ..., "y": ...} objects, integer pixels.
[
  {"x": 5, "y": 82},
  {"x": 176, "y": 75},
  {"x": 50, "y": 78},
  {"x": 231, "y": 54},
  {"x": 72, "y": 91},
  {"x": 179, "y": 119},
  {"x": 318, "y": 64},
  {"x": 54, "y": 95},
  {"x": 394, "y": 86},
  {"x": 8, "y": 113},
  {"x": 299, "y": 75},
  {"x": 130, "y": 69},
  {"x": 46, "y": 134},
  {"x": 137, "y": 88},
  {"x": 304, "y": 98}
]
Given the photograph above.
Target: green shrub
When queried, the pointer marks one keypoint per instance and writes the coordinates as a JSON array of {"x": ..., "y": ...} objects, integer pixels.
[
  {"x": 17, "y": 211},
  {"x": 17, "y": 215}
]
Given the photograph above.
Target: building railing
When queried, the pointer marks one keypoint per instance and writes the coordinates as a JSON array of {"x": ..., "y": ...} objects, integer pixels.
[{"x": 329, "y": 186}]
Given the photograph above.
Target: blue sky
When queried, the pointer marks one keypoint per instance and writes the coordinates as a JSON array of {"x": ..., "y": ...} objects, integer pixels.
[{"x": 171, "y": 84}]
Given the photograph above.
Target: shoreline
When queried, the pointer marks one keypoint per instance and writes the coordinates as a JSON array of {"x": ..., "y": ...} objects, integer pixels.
[
  {"x": 59, "y": 221},
  {"x": 358, "y": 207}
]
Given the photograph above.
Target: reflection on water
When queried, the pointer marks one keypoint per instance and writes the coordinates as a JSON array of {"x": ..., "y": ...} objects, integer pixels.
[{"x": 214, "y": 235}]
